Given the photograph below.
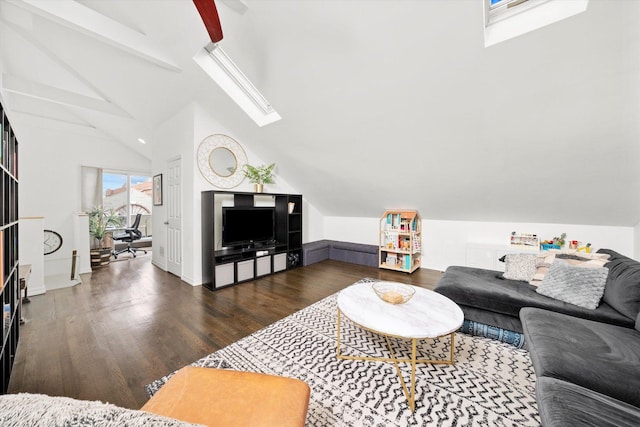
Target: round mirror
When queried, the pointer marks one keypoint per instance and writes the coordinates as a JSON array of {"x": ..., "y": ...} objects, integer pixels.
[
  {"x": 220, "y": 160},
  {"x": 223, "y": 162}
]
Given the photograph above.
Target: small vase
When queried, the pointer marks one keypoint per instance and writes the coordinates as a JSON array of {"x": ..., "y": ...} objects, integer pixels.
[{"x": 258, "y": 188}]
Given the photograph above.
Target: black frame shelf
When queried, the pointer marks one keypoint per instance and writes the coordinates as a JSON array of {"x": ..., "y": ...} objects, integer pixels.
[
  {"x": 9, "y": 271},
  {"x": 229, "y": 266}
]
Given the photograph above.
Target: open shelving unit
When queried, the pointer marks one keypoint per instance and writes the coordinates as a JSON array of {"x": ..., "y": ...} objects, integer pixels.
[
  {"x": 400, "y": 240},
  {"x": 224, "y": 266},
  {"x": 9, "y": 273}
]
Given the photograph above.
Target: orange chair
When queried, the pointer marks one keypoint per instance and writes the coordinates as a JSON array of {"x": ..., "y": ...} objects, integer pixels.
[{"x": 220, "y": 397}]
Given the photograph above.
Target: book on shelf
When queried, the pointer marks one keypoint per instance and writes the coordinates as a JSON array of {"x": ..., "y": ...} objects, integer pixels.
[
  {"x": 7, "y": 315},
  {"x": 3, "y": 149},
  {"x": 1, "y": 259}
]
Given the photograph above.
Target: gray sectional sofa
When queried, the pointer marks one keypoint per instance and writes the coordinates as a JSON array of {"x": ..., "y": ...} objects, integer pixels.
[{"x": 587, "y": 362}]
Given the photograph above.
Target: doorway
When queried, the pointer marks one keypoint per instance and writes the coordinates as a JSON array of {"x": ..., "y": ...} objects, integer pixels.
[{"x": 174, "y": 216}]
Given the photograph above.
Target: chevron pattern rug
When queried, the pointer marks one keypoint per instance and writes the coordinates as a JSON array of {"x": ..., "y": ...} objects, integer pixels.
[{"x": 490, "y": 384}]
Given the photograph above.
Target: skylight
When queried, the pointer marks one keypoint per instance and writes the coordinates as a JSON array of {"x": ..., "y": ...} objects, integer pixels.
[
  {"x": 219, "y": 66},
  {"x": 506, "y": 19}
]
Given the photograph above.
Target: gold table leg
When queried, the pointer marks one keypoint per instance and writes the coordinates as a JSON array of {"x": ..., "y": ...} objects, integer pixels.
[{"x": 410, "y": 395}]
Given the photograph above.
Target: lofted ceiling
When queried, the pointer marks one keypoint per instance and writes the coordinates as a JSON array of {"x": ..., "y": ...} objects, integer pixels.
[{"x": 384, "y": 103}]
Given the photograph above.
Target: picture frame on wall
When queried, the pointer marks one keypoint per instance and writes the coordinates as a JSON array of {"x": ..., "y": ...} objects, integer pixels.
[{"x": 157, "y": 190}]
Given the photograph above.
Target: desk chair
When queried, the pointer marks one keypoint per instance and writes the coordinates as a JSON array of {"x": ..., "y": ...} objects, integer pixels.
[{"x": 130, "y": 235}]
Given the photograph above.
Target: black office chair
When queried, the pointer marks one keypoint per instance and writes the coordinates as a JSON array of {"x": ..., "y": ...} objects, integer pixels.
[{"x": 130, "y": 235}]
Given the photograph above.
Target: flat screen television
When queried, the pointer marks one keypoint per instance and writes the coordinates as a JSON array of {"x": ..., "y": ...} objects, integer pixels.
[{"x": 241, "y": 226}]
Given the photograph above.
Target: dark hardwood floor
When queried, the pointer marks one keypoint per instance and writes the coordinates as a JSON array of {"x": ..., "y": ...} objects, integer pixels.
[{"x": 130, "y": 323}]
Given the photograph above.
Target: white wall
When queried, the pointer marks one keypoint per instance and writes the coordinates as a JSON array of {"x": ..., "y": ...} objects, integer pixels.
[
  {"x": 351, "y": 229},
  {"x": 636, "y": 246},
  {"x": 444, "y": 242},
  {"x": 49, "y": 175},
  {"x": 30, "y": 229}
]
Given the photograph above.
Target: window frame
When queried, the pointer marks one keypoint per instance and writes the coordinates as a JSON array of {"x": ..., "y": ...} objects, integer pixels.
[
  {"x": 129, "y": 204},
  {"x": 504, "y": 23},
  {"x": 505, "y": 9}
]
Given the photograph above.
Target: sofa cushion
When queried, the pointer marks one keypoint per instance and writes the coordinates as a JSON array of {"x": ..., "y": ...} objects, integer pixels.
[
  {"x": 601, "y": 357},
  {"x": 315, "y": 251},
  {"x": 28, "y": 410},
  {"x": 564, "y": 404},
  {"x": 622, "y": 291},
  {"x": 581, "y": 286},
  {"x": 355, "y": 253},
  {"x": 486, "y": 291}
]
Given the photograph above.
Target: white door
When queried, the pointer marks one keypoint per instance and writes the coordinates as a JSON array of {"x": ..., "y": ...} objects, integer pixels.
[{"x": 174, "y": 217}]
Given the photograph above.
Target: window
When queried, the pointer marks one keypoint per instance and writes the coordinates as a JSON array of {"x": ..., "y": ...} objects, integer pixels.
[
  {"x": 502, "y": 9},
  {"x": 222, "y": 70},
  {"x": 506, "y": 19},
  {"x": 129, "y": 195}
]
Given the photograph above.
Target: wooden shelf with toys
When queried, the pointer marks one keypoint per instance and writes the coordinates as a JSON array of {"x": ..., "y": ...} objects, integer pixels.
[{"x": 400, "y": 240}]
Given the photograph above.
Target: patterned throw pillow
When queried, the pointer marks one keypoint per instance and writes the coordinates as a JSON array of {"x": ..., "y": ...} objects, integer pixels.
[
  {"x": 581, "y": 286},
  {"x": 520, "y": 267},
  {"x": 546, "y": 258}
]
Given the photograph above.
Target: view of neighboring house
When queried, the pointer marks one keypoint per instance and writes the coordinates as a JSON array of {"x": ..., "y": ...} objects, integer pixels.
[{"x": 128, "y": 201}]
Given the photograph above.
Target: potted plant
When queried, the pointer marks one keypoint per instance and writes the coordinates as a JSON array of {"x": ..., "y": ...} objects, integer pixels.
[
  {"x": 100, "y": 219},
  {"x": 260, "y": 175}
]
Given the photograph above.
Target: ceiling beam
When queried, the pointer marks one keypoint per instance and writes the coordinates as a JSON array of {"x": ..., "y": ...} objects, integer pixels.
[
  {"x": 28, "y": 36},
  {"x": 78, "y": 17},
  {"x": 55, "y": 123},
  {"x": 18, "y": 85}
]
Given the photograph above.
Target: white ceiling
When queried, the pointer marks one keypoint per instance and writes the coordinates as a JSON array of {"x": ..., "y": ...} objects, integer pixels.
[{"x": 384, "y": 103}]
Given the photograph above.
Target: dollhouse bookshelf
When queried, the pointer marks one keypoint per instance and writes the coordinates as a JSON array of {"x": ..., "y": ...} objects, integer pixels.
[{"x": 400, "y": 240}]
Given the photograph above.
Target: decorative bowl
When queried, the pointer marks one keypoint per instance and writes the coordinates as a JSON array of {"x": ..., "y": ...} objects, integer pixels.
[{"x": 392, "y": 292}]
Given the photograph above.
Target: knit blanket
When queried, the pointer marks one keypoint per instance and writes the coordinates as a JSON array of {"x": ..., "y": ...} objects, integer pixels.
[{"x": 39, "y": 410}]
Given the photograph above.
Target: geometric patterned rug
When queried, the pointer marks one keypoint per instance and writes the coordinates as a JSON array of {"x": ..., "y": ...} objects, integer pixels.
[{"x": 490, "y": 384}]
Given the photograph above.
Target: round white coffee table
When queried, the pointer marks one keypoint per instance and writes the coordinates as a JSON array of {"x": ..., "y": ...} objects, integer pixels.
[{"x": 426, "y": 315}]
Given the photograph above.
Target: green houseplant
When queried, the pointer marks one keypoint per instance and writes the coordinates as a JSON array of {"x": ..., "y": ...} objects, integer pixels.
[
  {"x": 259, "y": 175},
  {"x": 100, "y": 219}
]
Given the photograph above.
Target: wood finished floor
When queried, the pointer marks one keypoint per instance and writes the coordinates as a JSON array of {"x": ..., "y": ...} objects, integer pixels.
[{"x": 130, "y": 323}]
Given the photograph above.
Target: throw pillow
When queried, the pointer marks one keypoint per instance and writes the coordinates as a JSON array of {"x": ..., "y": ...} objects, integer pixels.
[
  {"x": 520, "y": 267},
  {"x": 581, "y": 286},
  {"x": 545, "y": 259}
]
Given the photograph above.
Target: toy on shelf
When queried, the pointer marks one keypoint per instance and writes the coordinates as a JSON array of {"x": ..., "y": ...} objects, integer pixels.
[
  {"x": 555, "y": 243},
  {"x": 586, "y": 248},
  {"x": 524, "y": 239}
]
